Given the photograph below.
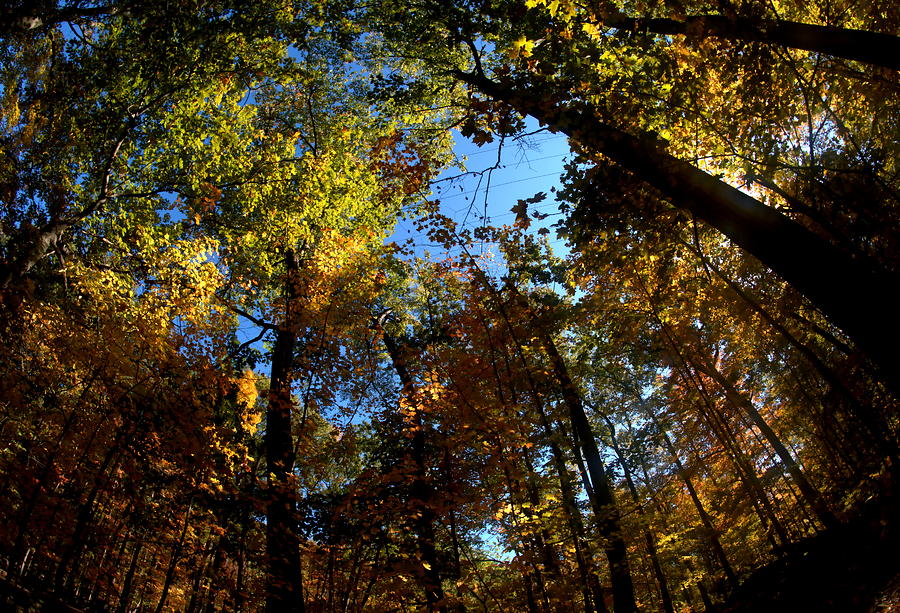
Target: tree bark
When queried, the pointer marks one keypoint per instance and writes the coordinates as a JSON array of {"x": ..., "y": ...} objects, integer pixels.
[
  {"x": 596, "y": 588},
  {"x": 421, "y": 490},
  {"x": 744, "y": 466},
  {"x": 31, "y": 249},
  {"x": 71, "y": 557},
  {"x": 599, "y": 491},
  {"x": 605, "y": 510},
  {"x": 857, "y": 45},
  {"x": 284, "y": 582}
]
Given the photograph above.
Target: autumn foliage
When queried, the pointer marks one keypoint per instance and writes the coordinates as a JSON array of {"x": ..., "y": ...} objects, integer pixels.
[{"x": 223, "y": 387}]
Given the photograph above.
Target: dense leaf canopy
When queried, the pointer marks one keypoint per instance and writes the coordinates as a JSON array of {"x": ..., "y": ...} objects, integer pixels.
[{"x": 224, "y": 387}]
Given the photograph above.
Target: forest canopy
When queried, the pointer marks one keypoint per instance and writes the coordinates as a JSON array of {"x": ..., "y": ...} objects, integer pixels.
[{"x": 226, "y": 386}]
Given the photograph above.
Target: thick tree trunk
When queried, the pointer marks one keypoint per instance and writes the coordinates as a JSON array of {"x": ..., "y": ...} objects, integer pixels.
[
  {"x": 853, "y": 293},
  {"x": 858, "y": 45},
  {"x": 284, "y": 582}
]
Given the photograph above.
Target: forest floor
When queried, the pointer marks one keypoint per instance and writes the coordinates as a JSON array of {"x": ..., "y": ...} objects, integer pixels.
[
  {"x": 853, "y": 568},
  {"x": 888, "y": 601}
]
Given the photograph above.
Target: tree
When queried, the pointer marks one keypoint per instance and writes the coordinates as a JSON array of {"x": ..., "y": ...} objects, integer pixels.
[
  {"x": 553, "y": 83},
  {"x": 204, "y": 404}
]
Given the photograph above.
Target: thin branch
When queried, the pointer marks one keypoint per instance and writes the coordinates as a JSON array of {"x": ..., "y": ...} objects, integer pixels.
[
  {"x": 476, "y": 57},
  {"x": 256, "y": 321}
]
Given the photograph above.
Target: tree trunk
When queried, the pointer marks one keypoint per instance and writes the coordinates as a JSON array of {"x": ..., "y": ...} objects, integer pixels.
[
  {"x": 284, "y": 582},
  {"x": 649, "y": 537},
  {"x": 457, "y": 567},
  {"x": 72, "y": 555},
  {"x": 197, "y": 577},
  {"x": 599, "y": 491},
  {"x": 215, "y": 576},
  {"x": 874, "y": 424},
  {"x": 173, "y": 561},
  {"x": 421, "y": 490},
  {"x": 740, "y": 401},
  {"x": 603, "y": 502},
  {"x": 596, "y": 587},
  {"x": 745, "y": 468},
  {"x": 542, "y": 538},
  {"x": 712, "y": 534},
  {"x": 858, "y": 45},
  {"x": 573, "y": 517},
  {"x": 125, "y": 595}
]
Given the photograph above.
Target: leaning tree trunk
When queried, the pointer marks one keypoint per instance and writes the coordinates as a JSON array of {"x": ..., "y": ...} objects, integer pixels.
[
  {"x": 878, "y": 429},
  {"x": 854, "y": 293},
  {"x": 174, "y": 557},
  {"x": 710, "y": 531},
  {"x": 741, "y": 402},
  {"x": 592, "y": 604},
  {"x": 599, "y": 491},
  {"x": 649, "y": 538},
  {"x": 858, "y": 45},
  {"x": 605, "y": 510}
]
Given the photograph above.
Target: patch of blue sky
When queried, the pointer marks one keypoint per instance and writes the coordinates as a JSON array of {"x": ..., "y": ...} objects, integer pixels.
[
  {"x": 494, "y": 178},
  {"x": 172, "y": 213}
]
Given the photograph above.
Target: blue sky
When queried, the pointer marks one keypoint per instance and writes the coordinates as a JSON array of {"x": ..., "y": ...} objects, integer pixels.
[{"x": 496, "y": 177}]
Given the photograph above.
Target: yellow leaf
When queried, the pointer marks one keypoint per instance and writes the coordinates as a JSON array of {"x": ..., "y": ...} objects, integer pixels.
[
  {"x": 591, "y": 30},
  {"x": 522, "y": 47},
  {"x": 246, "y": 389}
]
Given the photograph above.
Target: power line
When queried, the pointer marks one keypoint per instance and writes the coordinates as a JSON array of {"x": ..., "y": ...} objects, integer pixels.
[
  {"x": 474, "y": 191},
  {"x": 493, "y": 149}
]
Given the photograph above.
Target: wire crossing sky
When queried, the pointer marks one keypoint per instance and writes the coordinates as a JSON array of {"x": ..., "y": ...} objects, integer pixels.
[{"x": 495, "y": 178}]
